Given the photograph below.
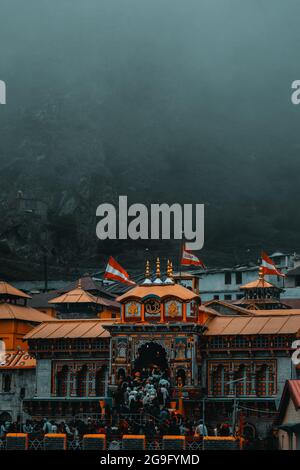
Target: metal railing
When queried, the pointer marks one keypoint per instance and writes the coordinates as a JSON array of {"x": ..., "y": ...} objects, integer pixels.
[{"x": 113, "y": 443}]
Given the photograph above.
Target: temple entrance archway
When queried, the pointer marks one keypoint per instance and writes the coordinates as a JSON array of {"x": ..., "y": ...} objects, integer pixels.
[{"x": 151, "y": 355}]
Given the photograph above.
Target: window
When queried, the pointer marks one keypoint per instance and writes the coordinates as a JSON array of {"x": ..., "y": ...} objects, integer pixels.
[
  {"x": 219, "y": 380},
  {"x": 62, "y": 378},
  {"x": 239, "y": 342},
  {"x": 6, "y": 383},
  {"x": 261, "y": 341},
  {"x": 261, "y": 381},
  {"x": 217, "y": 342},
  {"x": 247, "y": 378},
  {"x": 240, "y": 380},
  {"x": 100, "y": 381},
  {"x": 297, "y": 281},
  {"x": 238, "y": 277},
  {"x": 216, "y": 297},
  {"x": 227, "y": 297},
  {"x": 280, "y": 342},
  {"x": 81, "y": 386},
  {"x": 227, "y": 277}
]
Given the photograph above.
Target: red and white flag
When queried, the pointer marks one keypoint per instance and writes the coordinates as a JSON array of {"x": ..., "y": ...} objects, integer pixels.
[
  {"x": 268, "y": 266},
  {"x": 115, "y": 271},
  {"x": 188, "y": 258}
]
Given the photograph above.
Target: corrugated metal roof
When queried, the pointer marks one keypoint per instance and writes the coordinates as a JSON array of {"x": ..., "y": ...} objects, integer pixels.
[
  {"x": 277, "y": 311},
  {"x": 274, "y": 325},
  {"x": 19, "y": 312},
  {"x": 236, "y": 325},
  {"x": 70, "y": 329},
  {"x": 79, "y": 295},
  {"x": 88, "y": 284},
  {"x": 7, "y": 289},
  {"x": 291, "y": 326},
  {"x": 75, "y": 296},
  {"x": 256, "y": 324},
  {"x": 258, "y": 283},
  {"x": 251, "y": 328}
]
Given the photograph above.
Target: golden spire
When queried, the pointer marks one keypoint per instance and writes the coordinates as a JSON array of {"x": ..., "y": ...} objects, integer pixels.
[
  {"x": 261, "y": 273},
  {"x": 147, "y": 269},
  {"x": 171, "y": 270},
  {"x": 168, "y": 268},
  {"x": 158, "y": 268},
  {"x": 79, "y": 284}
]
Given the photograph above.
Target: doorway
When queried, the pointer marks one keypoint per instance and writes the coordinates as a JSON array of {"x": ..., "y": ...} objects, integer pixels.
[{"x": 151, "y": 355}]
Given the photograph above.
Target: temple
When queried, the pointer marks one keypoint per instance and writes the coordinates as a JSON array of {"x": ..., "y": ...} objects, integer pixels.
[
  {"x": 224, "y": 362},
  {"x": 161, "y": 326}
]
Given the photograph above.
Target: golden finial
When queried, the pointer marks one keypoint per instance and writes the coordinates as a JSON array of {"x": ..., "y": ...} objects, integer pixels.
[
  {"x": 168, "y": 268},
  {"x": 171, "y": 270},
  {"x": 79, "y": 284},
  {"x": 157, "y": 268},
  {"x": 147, "y": 269},
  {"x": 261, "y": 272}
]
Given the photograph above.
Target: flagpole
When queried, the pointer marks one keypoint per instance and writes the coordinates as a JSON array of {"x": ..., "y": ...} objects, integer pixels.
[{"x": 180, "y": 254}]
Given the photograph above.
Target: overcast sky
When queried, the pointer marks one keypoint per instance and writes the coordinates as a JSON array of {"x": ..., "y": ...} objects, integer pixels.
[{"x": 201, "y": 88}]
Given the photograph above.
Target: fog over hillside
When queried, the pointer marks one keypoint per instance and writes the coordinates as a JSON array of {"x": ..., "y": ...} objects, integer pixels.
[{"x": 161, "y": 100}]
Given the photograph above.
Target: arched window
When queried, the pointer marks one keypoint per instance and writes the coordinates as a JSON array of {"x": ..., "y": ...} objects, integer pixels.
[
  {"x": 240, "y": 377},
  {"x": 217, "y": 385},
  {"x": 62, "y": 381},
  {"x": 100, "y": 382},
  {"x": 262, "y": 380},
  {"x": 6, "y": 383},
  {"x": 81, "y": 385}
]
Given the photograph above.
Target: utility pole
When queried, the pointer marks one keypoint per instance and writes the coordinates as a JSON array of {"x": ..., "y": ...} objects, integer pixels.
[{"x": 235, "y": 407}]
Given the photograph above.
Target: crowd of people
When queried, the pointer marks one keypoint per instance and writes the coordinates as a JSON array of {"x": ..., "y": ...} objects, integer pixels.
[
  {"x": 169, "y": 423},
  {"x": 142, "y": 405},
  {"x": 36, "y": 429},
  {"x": 147, "y": 390},
  {"x": 148, "y": 393}
]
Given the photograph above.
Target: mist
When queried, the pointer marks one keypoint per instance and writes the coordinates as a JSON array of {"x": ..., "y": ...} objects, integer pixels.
[{"x": 162, "y": 101}]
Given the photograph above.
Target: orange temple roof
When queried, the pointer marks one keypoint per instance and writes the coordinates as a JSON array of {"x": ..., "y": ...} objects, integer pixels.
[
  {"x": 69, "y": 329},
  {"x": 258, "y": 283},
  {"x": 79, "y": 295},
  {"x": 20, "y": 312},
  {"x": 253, "y": 325},
  {"x": 74, "y": 296},
  {"x": 164, "y": 290},
  {"x": 7, "y": 289}
]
